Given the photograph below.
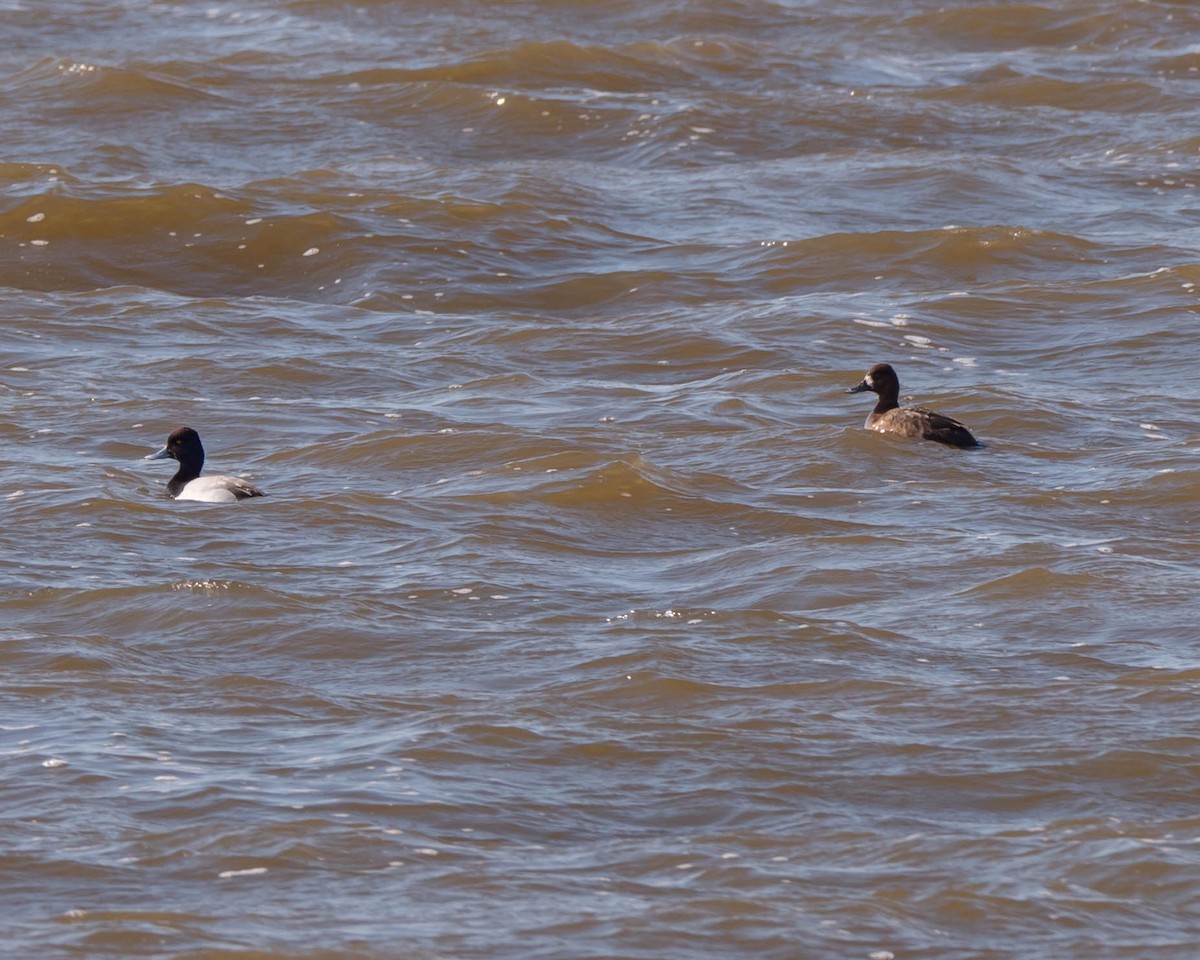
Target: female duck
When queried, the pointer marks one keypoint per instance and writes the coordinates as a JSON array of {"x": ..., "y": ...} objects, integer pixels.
[
  {"x": 184, "y": 446},
  {"x": 889, "y": 417}
]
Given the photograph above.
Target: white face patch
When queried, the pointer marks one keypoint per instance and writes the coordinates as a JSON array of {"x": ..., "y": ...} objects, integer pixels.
[{"x": 869, "y": 381}]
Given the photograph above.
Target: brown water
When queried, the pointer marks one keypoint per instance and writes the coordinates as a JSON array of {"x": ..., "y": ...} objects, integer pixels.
[{"x": 583, "y": 619}]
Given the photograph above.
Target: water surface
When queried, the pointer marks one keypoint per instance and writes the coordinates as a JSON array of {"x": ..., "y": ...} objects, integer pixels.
[{"x": 583, "y": 618}]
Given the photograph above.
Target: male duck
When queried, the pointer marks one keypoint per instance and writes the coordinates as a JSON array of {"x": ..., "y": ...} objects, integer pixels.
[
  {"x": 184, "y": 445},
  {"x": 889, "y": 417}
]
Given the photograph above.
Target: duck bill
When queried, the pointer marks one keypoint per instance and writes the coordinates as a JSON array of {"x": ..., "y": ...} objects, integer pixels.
[
  {"x": 163, "y": 454},
  {"x": 861, "y": 388}
]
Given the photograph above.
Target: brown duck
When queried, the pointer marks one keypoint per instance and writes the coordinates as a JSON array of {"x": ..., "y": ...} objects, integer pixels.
[{"x": 889, "y": 417}]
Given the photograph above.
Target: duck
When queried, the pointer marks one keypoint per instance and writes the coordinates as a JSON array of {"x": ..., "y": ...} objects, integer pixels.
[
  {"x": 183, "y": 445},
  {"x": 889, "y": 417}
]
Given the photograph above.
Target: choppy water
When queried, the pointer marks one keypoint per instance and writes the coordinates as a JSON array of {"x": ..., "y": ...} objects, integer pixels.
[{"x": 583, "y": 618}]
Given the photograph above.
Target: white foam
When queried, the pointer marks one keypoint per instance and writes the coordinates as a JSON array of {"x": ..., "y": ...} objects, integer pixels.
[
  {"x": 250, "y": 872},
  {"x": 870, "y": 323}
]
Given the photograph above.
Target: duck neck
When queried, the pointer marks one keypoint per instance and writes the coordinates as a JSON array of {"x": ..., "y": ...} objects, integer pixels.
[
  {"x": 887, "y": 401},
  {"x": 186, "y": 473}
]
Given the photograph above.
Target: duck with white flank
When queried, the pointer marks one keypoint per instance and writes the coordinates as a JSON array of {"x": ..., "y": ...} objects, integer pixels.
[
  {"x": 889, "y": 417},
  {"x": 183, "y": 445}
]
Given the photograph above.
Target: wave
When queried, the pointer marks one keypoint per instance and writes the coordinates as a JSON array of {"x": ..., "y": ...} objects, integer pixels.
[
  {"x": 198, "y": 241},
  {"x": 101, "y": 87},
  {"x": 1014, "y": 26},
  {"x": 566, "y": 65},
  {"x": 1090, "y": 95}
]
